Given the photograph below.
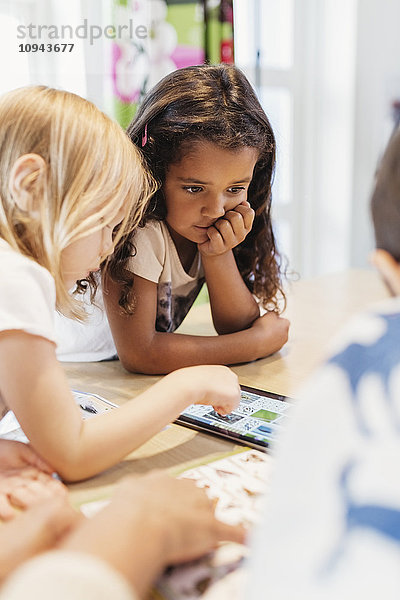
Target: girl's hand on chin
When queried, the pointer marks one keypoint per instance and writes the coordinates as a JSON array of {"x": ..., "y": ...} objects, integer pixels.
[{"x": 229, "y": 231}]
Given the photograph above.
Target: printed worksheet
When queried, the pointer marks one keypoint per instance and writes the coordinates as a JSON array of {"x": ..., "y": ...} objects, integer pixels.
[{"x": 90, "y": 405}]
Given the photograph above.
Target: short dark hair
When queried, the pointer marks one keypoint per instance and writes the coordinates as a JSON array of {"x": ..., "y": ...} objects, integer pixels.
[{"x": 385, "y": 201}]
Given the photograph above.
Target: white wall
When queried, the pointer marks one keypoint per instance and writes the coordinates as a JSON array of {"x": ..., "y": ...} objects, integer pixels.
[
  {"x": 377, "y": 85},
  {"x": 85, "y": 70},
  {"x": 350, "y": 85},
  {"x": 325, "y": 134},
  {"x": 344, "y": 74}
]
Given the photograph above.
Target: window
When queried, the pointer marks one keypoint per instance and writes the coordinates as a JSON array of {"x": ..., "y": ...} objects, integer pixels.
[
  {"x": 62, "y": 69},
  {"x": 300, "y": 55}
]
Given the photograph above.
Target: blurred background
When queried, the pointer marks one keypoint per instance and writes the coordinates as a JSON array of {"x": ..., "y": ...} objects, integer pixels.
[{"x": 327, "y": 73}]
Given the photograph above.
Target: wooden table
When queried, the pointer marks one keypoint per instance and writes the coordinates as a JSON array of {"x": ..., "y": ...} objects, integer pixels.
[{"x": 317, "y": 309}]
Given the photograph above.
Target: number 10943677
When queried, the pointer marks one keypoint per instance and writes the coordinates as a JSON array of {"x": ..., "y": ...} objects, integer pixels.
[{"x": 45, "y": 47}]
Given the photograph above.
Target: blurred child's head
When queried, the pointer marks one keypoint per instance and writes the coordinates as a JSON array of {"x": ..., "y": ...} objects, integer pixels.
[
  {"x": 385, "y": 203},
  {"x": 197, "y": 106},
  {"x": 385, "y": 207},
  {"x": 67, "y": 171}
]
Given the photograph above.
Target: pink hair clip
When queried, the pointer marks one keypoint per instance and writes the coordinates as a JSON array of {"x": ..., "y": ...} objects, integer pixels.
[{"x": 144, "y": 136}]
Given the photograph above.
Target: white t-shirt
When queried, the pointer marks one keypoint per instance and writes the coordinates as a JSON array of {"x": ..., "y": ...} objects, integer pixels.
[
  {"x": 332, "y": 518},
  {"x": 62, "y": 575},
  {"x": 27, "y": 297},
  {"x": 157, "y": 260},
  {"x": 87, "y": 341}
]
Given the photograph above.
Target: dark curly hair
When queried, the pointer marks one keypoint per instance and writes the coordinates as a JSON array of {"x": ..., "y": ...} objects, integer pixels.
[{"x": 217, "y": 103}]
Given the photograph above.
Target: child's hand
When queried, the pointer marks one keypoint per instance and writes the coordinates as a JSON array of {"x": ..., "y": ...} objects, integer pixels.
[
  {"x": 21, "y": 489},
  {"x": 25, "y": 479},
  {"x": 16, "y": 455},
  {"x": 229, "y": 231},
  {"x": 271, "y": 332},
  {"x": 36, "y": 530},
  {"x": 180, "y": 511},
  {"x": 154, "y": 521},
  {"x": 211, "y": 384}
]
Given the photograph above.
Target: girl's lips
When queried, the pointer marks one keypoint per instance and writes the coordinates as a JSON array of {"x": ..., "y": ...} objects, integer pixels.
[{"x": 204, "y": 226}]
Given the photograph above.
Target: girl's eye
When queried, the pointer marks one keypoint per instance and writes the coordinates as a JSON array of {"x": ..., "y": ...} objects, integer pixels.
[
  {"x": 236, "y": 190},
  {"x": 193, "y": 189}
]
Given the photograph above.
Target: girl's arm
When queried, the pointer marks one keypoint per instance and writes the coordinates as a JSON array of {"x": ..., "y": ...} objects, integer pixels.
[
  {"x": 142, "y": 349},
  {"x": 34, "y": 386},
  {"x": 32, "y": 532},
  {"x": 233, "y": 307}
]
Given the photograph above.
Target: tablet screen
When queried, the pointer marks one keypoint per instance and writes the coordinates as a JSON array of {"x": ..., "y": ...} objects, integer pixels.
[{"x": 255, "y": 422}]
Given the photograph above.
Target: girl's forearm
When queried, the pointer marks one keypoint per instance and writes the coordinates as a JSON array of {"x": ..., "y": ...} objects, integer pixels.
[
  {"x": 42, "y": 402},
  {"x": 170, "y": 351},
  {"x": 233, "y": 307},
  {"x": 108, "y": 438}
]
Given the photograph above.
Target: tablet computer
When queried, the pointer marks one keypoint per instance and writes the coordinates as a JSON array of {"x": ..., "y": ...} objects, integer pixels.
[{"x": 254, "y": 423}]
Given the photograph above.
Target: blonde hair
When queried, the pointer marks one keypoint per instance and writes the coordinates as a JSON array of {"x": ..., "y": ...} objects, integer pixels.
[{"x": 92, "y": 167}]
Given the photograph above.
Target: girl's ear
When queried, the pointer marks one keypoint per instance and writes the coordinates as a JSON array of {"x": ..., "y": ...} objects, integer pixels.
[
  {"x": 388, "y": 268},
  {"x": 26, "y": 174}
]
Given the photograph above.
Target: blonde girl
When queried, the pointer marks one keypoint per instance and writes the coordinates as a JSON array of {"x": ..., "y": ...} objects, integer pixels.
[{"x": 71, "y": 186}]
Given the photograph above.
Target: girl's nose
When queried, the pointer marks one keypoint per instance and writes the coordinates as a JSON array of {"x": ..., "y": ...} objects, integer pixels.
[{"x": 215, "y": 208}]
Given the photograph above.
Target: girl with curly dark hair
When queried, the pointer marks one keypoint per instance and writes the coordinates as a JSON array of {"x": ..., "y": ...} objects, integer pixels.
[{"x": 210, "y": 147}]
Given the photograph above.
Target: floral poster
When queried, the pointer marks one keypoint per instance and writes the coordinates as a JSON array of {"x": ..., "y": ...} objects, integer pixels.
[{"x": 161, "y": 36}]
